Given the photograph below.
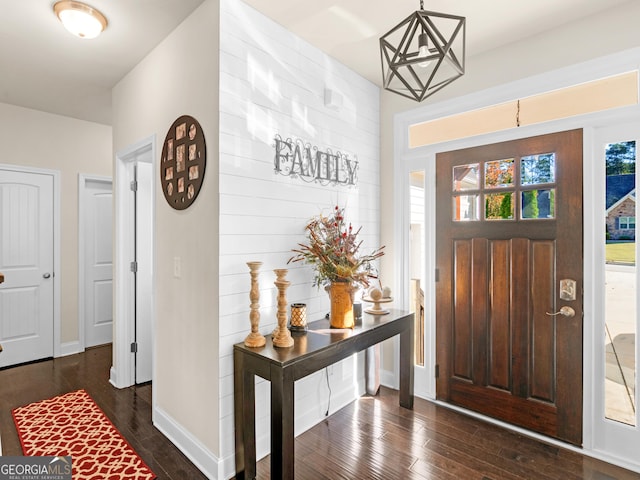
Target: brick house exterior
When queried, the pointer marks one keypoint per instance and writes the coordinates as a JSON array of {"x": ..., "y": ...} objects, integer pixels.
[
  {"x": 621, "y": 206},
  {"x": 617, "y": 216}
]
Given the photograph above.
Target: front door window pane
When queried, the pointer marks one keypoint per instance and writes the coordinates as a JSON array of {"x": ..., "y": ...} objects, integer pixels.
[
  {"x": 538, "y": 169},
  {"x": 499, "y": 173},
  {"x": 498, "y": 206},
  {"x": 538, "y": 204},
  {"x": 466, "y": 177},
  {"x": 466, "y": 208}
]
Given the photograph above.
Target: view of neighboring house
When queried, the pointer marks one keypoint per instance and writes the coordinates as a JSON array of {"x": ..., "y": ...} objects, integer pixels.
[{"x": 621, "y": 207}]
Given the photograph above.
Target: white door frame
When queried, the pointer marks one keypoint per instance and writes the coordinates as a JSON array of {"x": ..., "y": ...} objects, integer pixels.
[
  {"x": 58, "y": 351},
  {"x": 408, "y": 159},
  {"x": 83, "y": 179},
  {"x": 144, "y": 273},
  {"x": 122, "y": 373},
  {"x": 608, "y": 435}
]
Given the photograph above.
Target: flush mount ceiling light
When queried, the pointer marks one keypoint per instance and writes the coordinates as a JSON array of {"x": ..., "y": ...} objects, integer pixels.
[
  {"x": 423, "y": 54},
  {"x": 80, "y": 19}
]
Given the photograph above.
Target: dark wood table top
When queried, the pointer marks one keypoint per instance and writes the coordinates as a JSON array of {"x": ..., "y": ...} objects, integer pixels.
[{"x": 319, "y": 336}]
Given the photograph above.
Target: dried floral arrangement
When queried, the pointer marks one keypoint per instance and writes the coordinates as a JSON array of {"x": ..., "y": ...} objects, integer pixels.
[{"x": 333, "y": 250}]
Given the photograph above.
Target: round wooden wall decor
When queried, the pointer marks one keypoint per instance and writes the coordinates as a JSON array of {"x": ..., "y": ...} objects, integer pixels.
[{"x": 184, "y": 157}]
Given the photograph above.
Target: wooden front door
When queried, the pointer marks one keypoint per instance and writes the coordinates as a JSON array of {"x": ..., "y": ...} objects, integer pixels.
[{"x": 509, "y": 237}]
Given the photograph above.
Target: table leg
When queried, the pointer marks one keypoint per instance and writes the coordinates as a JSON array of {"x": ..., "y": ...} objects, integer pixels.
[
  {"x": 244, "y": 418},
  {"x": 282, "y": 418},
  {"x": 406, "y": 366}
]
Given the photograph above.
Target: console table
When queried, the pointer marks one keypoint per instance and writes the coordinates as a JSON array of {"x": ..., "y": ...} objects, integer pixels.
[{"x": 320, "y": 347}]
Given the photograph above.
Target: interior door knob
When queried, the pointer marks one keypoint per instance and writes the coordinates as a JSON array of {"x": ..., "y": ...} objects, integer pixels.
[
  {"x": 46, "y": 275},
  {"x": 564, "y": 311}
]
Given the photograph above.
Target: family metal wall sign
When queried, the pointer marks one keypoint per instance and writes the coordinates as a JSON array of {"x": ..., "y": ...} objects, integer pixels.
[{"x": 294, "y": 158}]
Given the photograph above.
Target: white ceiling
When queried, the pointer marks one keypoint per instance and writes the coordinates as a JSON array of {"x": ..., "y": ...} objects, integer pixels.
[{"x": 45, "y": 68}]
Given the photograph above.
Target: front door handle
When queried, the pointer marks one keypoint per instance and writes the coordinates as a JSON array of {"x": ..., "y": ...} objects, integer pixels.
[{"x": 564, "y": 311}]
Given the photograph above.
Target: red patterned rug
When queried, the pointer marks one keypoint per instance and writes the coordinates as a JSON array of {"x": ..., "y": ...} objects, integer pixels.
[{"x": 72, "y": 424}]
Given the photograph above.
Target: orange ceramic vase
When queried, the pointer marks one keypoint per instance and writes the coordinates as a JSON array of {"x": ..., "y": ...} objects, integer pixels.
[{"x": 341, "y": 315}]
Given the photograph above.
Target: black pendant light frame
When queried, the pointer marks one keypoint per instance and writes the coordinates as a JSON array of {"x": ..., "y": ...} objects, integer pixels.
[{"x": 403, "y": 66}]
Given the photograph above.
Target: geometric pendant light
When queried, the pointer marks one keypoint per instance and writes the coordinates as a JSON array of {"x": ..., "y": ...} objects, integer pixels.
[{"x": 423, "y": 54}]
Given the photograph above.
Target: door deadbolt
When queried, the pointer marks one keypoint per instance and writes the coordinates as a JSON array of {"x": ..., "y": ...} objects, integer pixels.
[{"x": 567, "y": 290}]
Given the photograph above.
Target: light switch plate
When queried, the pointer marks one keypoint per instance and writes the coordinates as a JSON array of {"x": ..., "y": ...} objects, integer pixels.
[{"x": 177, "y": 267}]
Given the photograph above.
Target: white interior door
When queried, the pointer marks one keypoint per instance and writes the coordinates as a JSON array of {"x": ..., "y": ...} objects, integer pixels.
[
  {"x": 134, "y": 302},
  {"x": 26, "y": 260},
  {"x": 144, "y": 260},
  {"x": 97, "y": 296}
]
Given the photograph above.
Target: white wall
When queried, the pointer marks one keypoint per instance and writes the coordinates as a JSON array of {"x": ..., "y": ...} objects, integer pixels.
[
  {"x": 32, "y": 138},
  {"x": 272, "y": 82},
  {"x": 180, "y": 77}
]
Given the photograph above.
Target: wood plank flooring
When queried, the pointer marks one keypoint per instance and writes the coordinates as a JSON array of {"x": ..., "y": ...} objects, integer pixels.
[
  {"x": 372, "y": 438},
  {"x": 128, "y": 409}
]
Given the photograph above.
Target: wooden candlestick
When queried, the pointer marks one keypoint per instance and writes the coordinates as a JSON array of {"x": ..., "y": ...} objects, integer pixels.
[
  {"x": 255, "y": 338},
  {"x": 282, "y": 335}
]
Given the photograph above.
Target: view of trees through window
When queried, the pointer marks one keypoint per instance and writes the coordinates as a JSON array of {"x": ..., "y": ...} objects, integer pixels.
[
  {"x": 621, "y": 158},
  {"x": 534, "y": 203}
]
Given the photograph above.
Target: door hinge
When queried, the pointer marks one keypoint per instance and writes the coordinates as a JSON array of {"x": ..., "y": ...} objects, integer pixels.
[
  {"x": 134, "y": 347},
  {"x": 437, "y": 371},
  {"x": 437, "y": 274},
  {"x": 134, "y": 186},
  {"x": 134, "y": 267}
]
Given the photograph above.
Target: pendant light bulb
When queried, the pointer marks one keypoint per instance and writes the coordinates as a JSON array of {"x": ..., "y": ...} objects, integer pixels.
[{"x": 423, "y": 50}]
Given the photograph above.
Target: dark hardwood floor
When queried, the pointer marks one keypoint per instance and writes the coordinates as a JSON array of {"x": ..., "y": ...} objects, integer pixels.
[
  {"x": 128, "y": 409},
  {"x": 375, "y": 438},
  {"x": 372, "y": 438}
]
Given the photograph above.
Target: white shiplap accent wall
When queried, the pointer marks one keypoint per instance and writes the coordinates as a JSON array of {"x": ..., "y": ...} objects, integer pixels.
[{"x": 272, "y": 82}]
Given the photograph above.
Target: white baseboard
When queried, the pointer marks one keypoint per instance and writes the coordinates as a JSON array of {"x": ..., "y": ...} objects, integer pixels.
[
  {"x": 70, "y": 348},
  {"x": 193, "y": 449},
  {"x": 113, "y": 377},
  {"x": 215, "y": 468},
  {"x": 389, "y": 379}
]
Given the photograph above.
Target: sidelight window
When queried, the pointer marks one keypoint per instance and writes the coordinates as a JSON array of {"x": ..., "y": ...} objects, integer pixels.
[
  {"x": 416, "y": 259},
  {"x": 620, "y": 284}
]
